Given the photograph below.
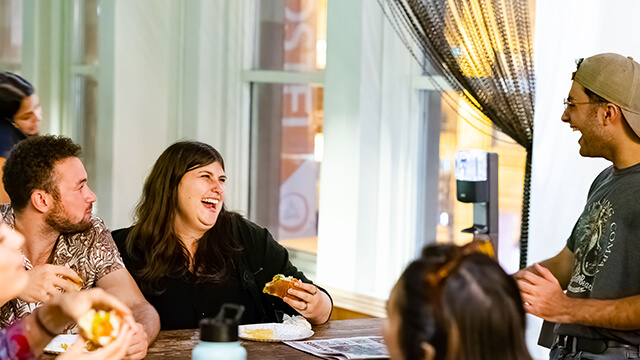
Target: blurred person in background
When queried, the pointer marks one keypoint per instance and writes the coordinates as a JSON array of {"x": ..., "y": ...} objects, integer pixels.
[
  {"x": 20, "y": 116},
  {"x": 456, "y": 303}
]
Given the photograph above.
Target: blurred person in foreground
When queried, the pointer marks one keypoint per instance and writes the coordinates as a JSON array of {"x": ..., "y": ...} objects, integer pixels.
[
  {"x": 25, "y": 339},
  {"x": 66, "y": 247},
  {"x": 190, "y": 255},
  {"x": 456, "y": 303},
  {"x": 20, "y": 116},
  {"x": 599, "y": 316}
]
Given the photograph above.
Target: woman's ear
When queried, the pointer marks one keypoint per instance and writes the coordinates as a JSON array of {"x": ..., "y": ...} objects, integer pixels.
[{"x": 429, "y": 351}]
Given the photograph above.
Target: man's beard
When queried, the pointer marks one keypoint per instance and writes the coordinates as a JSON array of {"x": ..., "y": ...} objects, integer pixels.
[{"x": 58, "y": 219}]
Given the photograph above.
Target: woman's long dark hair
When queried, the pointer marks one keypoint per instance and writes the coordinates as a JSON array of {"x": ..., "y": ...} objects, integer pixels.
[
  {"x": 475, "y": 313},
  {"x": 153, "y": 240}
]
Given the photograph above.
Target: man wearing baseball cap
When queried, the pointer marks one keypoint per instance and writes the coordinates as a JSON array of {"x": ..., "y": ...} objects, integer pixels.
[{"x": 599, "y": 316}]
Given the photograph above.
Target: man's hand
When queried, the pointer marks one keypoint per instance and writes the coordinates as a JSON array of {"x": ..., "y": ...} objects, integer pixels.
[
  {"x": 45, "y": 281},
  {"x": 139, "y": 343},
  {"x": 542, "y": 294}
]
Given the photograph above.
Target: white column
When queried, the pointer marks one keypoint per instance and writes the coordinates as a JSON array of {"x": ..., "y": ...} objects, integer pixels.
[{"x": 368, "y": 186}]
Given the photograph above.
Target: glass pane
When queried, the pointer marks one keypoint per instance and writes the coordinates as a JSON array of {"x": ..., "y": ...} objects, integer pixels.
[
  {"x": 287, "y": 136},
  {"x": 85, "y": 31},
  {"x": 85, "y": 107},
  {"x": 10, "y": 33},
  {"x": 463, "y": 130},
  {"x": 291, "y": 35},
  {"x": 90, "y": 36}
]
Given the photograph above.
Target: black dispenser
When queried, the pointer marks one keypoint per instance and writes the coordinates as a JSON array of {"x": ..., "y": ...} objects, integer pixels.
[{"x": 477, "y": 182}]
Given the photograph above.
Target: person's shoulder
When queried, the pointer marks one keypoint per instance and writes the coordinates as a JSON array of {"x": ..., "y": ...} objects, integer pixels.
[
  {"x": 96, "y": 233},
  {"x": 120, "y": 235},
  {"x": 9, "y": 136},
  {"x": 7, "y": 214},
  {"x": 246, "y": 226}
]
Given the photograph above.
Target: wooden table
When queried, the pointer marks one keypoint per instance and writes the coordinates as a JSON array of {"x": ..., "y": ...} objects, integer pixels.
[{"x": 178, "y": 344}]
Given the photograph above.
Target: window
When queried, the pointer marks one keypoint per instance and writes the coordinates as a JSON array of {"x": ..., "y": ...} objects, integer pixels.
[
  {"x": 10, "y": 35},
  {"x": 462, "y": 129},
  {"x": 287, "y": 121}
]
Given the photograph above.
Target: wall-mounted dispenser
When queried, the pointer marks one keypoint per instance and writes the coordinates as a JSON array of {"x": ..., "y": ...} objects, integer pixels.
[{"x": 477, "y": 182}]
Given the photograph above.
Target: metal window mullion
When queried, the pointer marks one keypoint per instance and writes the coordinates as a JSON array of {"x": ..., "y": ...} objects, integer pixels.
[
  {"x": 87, "y": 70},
  {"x": 283, "y": 77}
]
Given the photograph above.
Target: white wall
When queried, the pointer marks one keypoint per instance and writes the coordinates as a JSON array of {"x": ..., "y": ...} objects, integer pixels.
[
  {"x": 369, "y": 182},
  {"x": 566, "y": 31},
  {"x": 177, "y": 75},
  {"x": 141, "y": 93}
]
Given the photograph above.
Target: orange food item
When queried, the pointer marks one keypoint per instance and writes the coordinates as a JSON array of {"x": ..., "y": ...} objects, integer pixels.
[
  {"x": 100, "y": 327},
  {"x": 75, "y": 282},
  {"x": 279, "y": 286}
]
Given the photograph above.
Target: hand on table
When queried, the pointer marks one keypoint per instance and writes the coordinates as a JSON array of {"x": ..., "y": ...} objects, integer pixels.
[
  {"x": 139, "y": 344},
  {"x": 314, "y": 304},
  {"x": 46, "y": 281},
  {"x": 542, "y": 294}
]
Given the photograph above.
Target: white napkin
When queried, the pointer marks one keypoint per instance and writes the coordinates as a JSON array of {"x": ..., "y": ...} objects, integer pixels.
[{"x": 297, "y": 320}]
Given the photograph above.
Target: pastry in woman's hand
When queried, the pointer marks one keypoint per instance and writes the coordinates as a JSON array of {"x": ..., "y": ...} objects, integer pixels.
[
  {"x": 279, "y": 286},
  {"x": 100, "y": 327}
]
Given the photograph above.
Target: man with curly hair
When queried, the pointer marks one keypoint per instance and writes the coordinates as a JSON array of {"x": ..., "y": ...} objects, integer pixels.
[{"x": 66, "y": 248}]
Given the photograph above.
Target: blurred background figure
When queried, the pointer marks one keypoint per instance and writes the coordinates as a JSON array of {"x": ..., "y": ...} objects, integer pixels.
[
  {"x": 20, "y": 116},
  {"x": 456, "y": 303}
]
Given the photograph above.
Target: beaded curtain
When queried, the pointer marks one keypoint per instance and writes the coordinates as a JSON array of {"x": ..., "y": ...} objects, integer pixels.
[{"x": 484, "y": 51}]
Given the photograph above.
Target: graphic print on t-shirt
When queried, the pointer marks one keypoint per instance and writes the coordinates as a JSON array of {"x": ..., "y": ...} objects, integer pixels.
[{"x": 595, "y": 235}]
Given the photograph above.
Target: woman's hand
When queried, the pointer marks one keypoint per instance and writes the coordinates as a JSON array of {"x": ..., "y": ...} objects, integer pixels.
[
  {"x": 69, "y": 307},
  {"x": 314, "y": 304},
  {"x": 114, "y": 350}
]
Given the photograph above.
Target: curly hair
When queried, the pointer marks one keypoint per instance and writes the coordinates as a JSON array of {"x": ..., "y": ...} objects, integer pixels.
[
  {"x": 13, "y": 89},
  {"x": 31, "y": 166},
  {"x": 475, "y": 313}
]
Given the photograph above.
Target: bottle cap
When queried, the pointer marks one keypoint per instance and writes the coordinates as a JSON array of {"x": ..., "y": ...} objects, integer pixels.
[{"x": 223, "y": 327}]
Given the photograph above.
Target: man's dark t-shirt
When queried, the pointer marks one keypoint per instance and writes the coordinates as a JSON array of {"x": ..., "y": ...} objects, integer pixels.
[{"x": 606, "y": 246}]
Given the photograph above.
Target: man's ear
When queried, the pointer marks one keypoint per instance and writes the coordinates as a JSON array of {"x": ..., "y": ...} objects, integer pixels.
[
  {"x": 612, "y": 113},
  {"x": 41, "y": 201},
  {"x": 429, "y": 351}
]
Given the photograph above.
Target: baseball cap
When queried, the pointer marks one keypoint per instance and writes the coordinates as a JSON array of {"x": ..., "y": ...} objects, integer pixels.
[{"x": 617, "y": 79}]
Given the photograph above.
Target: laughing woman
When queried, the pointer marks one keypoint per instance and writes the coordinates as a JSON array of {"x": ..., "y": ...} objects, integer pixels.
[{"x": 189, "y": 255}]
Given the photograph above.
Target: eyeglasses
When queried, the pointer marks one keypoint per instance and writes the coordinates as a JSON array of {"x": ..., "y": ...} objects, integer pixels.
[
  {"x": 474, "y": 247},
  {"x": 568, "y": 103}
]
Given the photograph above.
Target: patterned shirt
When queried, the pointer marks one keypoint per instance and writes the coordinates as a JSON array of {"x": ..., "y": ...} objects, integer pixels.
[
  {"x": 92, "y": 254},
  {"x": 14, "y": 344}
]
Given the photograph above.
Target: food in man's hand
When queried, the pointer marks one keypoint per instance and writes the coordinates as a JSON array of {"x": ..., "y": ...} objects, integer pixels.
[
  {"x": 77, "y": 283},
  {"x": 279, "y": 286},
  {"x": 99, "y": 327},
  {"x": 265, "y": 334}
]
